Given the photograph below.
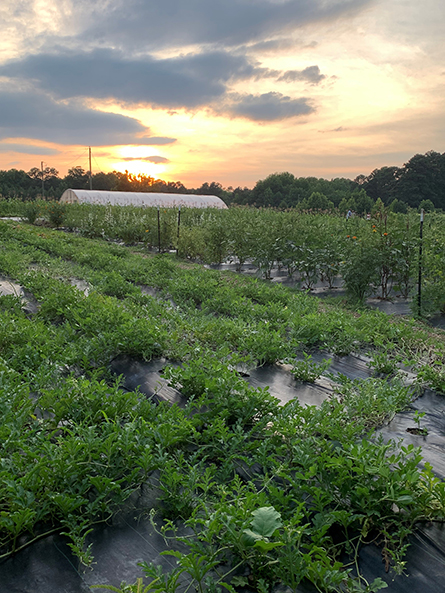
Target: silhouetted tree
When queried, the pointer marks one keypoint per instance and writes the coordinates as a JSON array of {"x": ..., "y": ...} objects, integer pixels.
[
  {"x": 381, "y": 183},
  {"x": 77, "y": 178},
  {"x": 317, "y": 201},
  {"x": 15, "y": 183},
  {"x": 423, "y": 178}
]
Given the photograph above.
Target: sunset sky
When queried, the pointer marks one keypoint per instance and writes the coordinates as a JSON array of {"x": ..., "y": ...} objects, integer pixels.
[{"x": 221, "y": 90}]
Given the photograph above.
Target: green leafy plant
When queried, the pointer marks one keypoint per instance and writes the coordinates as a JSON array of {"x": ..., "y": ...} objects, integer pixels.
[
  {"x": 31, "y": 211},
  {"x": 383, "y": 362},
  {"x": 360, "y": 270},
  {"x": 433, "y": 375},
  {"x": 419, "y": 430},
  {"x": 265, "y": 494},
  {"x": 55, "y": 213},
  {"x": 308, "y": 370}
]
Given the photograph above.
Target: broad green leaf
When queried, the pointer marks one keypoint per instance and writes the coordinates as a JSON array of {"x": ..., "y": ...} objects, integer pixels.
[
  {"x": 266, "y": 521},
  {"x": 249, "y": 538}
]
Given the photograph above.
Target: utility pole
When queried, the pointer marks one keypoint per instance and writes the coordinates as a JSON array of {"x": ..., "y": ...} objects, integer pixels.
[
  {"x": 90, "y": 173},
  {"x": 43, "y": 185}
]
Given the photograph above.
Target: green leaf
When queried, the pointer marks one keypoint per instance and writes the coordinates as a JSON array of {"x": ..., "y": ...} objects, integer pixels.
[
  {"x": 377, "y": 584},
  {"x": 265, "y": 546},
  {"x": 249, "y": 538},
  {"x": 404, "y": 499},
  {"x": 266, "y": 521}
]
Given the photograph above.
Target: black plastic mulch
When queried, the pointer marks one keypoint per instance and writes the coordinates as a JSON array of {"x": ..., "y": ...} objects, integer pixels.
[{"x": 48, "y": 566}]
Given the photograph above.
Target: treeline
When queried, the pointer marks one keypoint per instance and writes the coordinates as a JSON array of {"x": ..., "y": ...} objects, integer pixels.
[
  {"x": 421, "y": 179},
  {"x": 419, "y": 183},
  {"x": 32, "y": 184}
]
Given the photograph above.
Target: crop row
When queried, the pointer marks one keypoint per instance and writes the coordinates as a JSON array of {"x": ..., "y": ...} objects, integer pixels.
[
  {"x": 378, "y": 256},
  {"x": 263, "y": 487}
]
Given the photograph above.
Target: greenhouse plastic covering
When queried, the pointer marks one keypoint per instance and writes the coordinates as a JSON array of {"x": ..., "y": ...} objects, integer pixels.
[{"x": 148, "y": 199}]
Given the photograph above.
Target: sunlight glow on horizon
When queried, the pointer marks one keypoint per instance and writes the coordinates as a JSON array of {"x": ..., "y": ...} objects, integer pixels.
[{"x": 138, "y": 167}]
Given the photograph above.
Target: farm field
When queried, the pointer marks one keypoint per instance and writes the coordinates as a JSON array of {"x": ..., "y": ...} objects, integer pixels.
[
  {"x": 270, "y": 469},
  {"x": 381, "y": 256}
]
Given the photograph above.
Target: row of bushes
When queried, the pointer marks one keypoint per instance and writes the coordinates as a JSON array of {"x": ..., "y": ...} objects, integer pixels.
[{"x": 376, "y": 256}]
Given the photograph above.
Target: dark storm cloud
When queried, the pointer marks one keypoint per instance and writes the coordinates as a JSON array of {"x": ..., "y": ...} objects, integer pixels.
[
  {"x": 311, "y": 74},
  {"x": 187, "y": 81},
  {"x": 28, "y": 149},
  {"x": 191, "y": 81},
  {"x": 269, "y": 107},
  {"x": 173, "y": 23},
  {"x": 34, "y": 115}
]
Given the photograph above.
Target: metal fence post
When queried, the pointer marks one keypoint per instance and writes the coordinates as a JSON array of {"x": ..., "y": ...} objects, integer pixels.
[
  {"x": 179, "y": 224},
  {"x": 419, "y": 287},
  {"x": 159, "y": 231}
]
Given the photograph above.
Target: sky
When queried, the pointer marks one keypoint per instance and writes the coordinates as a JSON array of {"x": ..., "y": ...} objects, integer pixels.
[{"x": 221, "y": 90}]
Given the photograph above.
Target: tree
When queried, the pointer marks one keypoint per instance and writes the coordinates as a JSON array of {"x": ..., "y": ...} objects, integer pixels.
[
  {"x": 426, "y": 205},
  {"x": 47, "y": 173},
  {"x": 362, "y": 202},
  {"x": 381, "y": 183},
  {"x": 176, "y": 187},
  {"x": 317, "y": 201},
  {"x": 266, "y": 198},
  {"x": 242, "y": 196},
  {"x": 335, "y": 189},
  {"x": 15, "y": 183},
  {"x": 105, "y": 181},
  {"x": 77, "y": 178},
  {"x": 50, "y": 177},
  {"x": 423, "y": 178},
  {"x": 345, "y": 205},
  {"x": 280, "y": 186},
  {"x": 398, "y": 206}
]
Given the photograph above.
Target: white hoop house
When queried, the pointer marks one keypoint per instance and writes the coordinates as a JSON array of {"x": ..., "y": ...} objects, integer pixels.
[{"x": 149, "y": 199}]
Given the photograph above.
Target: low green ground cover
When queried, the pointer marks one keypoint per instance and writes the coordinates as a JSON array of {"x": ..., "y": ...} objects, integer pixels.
[{"x": 273, "y": 494}]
